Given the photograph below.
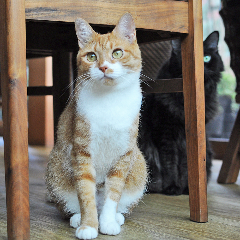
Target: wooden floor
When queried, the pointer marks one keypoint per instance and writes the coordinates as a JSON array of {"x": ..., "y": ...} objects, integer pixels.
[{"x": 156, "y": 217}]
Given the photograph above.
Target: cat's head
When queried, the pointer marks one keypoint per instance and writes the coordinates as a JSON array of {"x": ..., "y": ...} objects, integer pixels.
[
  {"x": 108, "y": 59},
  {"x": 212, "y": 60}
]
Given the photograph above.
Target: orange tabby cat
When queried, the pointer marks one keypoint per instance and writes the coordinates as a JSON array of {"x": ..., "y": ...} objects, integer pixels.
[{"x": 96, "y": 171}]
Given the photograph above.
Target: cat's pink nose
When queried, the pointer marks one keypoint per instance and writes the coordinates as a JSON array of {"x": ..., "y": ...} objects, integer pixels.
[{"x": 103, "y": 69}]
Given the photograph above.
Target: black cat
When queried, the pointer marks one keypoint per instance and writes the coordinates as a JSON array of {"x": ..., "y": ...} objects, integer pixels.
[{"x": 162, "y": 129}]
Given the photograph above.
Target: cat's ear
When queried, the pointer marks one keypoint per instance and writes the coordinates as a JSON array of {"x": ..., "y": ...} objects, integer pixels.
[
  {"x": 84, "y": 32},
  {"x": 126, "y": 28},
  {"x": 212, "y": 40}
]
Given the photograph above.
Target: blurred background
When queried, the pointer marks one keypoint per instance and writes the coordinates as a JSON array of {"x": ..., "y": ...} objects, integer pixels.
[{"x": 222, "y": 125}]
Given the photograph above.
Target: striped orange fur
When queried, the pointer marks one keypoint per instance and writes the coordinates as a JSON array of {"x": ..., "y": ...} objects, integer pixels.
[{"x": 96, "y": 173}]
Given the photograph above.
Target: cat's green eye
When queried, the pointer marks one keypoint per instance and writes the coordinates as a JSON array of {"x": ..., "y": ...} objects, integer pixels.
[
  {"x": 207, "y": 58},
  {"x": 117, "y": 53},
  {"x": 91, "y": 57}
]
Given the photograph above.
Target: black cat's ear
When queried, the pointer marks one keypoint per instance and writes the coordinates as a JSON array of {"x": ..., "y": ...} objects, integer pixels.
[
  {"x": 176, "y": 45},
  {"x": 212, "y": 40},
  {"x": 84, "y": 32},
  {"x": 126, "y": 28}
]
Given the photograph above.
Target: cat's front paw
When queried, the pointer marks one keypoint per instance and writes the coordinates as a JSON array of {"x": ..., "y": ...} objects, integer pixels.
[
  {"x": 86, "y": 232},
  {"x": 110, "y": 228},
  {"x": 75, "y": 220}
]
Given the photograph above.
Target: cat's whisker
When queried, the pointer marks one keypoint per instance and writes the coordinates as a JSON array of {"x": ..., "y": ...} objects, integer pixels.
[
  {"x": 146, "y": 82},
  {"x": 71, "y": 96},
  {"x": 145, "y": 76},
  {"x": 78, "y": 86},
  {"x": 73, "y": 82},
  {"x": 84, "y": 82},
  {"x": 143, "y": 202},
  {"x": 89, "y": 83},
  {"x": 66, "y": 88}
]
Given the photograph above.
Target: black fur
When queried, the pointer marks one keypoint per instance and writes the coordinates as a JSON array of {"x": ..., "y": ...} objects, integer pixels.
[{"x": 162, "y": 129}]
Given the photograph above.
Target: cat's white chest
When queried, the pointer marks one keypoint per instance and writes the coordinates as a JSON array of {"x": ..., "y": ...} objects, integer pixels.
[{"x": 111, "y": 116}]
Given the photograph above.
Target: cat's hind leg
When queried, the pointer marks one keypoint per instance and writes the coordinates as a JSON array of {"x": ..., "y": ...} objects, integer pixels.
[{"x": 135, "y": 185}]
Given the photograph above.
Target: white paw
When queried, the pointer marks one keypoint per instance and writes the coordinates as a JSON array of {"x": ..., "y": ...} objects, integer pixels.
[
  {"x": 110, "y": 228},
  {"x": 86, "y": 232},
  {"x": 120, "y": 219},
  {"x": 75, "y": 220}
]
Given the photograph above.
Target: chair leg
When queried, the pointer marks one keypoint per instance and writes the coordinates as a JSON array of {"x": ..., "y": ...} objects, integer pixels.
[
  {"x": 14, "y": 93},
  {"x": 194, "y": 106},
  {"x": 231, "y": 160}
]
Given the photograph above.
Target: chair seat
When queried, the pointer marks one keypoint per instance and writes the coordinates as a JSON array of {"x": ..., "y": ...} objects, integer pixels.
[
  {"x": 153, "y": 18},
  {"x": 161, "y": 15}
]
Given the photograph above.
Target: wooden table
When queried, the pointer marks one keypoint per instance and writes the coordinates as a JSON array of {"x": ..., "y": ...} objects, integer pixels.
[{"x": 165, "y": 18}]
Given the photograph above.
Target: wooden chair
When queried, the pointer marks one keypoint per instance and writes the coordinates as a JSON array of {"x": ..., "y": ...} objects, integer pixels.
[{"x": 164, "y": 19}]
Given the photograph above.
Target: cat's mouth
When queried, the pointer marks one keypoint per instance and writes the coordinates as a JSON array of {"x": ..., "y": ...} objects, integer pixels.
[{"x": 108, "y": 81}]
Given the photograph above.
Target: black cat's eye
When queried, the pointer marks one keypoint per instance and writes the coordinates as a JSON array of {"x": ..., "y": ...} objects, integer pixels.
[
  {"x": 207, "y": 58},
  {"x": 91, "y": 57},
  {"x": 117, "y": 53}
]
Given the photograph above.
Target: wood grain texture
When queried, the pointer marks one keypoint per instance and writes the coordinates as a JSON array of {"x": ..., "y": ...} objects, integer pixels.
[
  {"x": 231, "y": 160},
  {"x": 194, "y": 106},
  {"x": 152, "y": 14},
  {"x": 14, "y": 93}
]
